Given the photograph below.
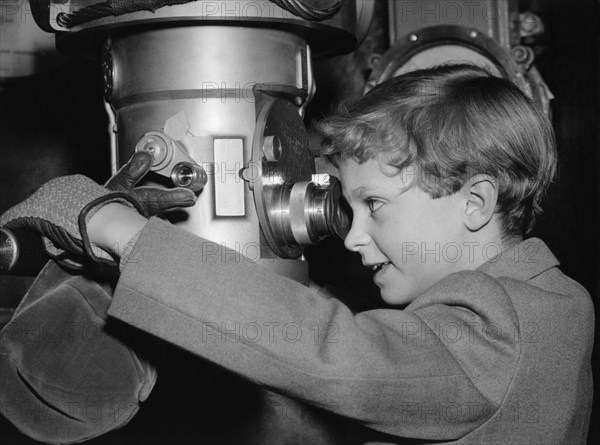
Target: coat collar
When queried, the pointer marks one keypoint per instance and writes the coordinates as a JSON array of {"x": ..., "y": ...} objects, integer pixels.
[{"x": 522, "y": 261}]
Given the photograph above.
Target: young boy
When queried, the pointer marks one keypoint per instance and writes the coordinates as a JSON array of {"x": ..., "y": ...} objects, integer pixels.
[{"x": 486, "y": 341}]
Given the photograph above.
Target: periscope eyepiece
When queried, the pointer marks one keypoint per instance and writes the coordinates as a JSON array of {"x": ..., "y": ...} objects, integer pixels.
[{"x": 318, "y": 210}]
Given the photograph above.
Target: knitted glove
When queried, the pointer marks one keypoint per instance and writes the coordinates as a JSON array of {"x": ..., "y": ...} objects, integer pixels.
[
  {"x": 152, "y": 200},
  {"x": 55, "y": 212}
]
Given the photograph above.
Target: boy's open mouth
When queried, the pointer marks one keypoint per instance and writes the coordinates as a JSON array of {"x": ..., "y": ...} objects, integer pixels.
[{"x": 377, "y": 267}]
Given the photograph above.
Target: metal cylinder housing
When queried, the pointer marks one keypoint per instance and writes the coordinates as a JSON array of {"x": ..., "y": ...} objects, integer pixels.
[{"x": 196, "y": 85}]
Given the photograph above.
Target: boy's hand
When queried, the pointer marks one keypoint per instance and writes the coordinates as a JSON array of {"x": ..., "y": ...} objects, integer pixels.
[
  {"x": 153, "y": 200},
  {"x": 60, "y": 209},
  {"x": 53, "y": 211}
]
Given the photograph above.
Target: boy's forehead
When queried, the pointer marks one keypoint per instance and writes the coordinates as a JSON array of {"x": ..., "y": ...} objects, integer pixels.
[
  {"x": 369, "y": 170},
  {"x": 359, "y": 178}
]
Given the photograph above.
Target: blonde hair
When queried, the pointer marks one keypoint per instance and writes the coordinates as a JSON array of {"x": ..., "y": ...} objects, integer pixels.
[{"x": 448, "y": 124}]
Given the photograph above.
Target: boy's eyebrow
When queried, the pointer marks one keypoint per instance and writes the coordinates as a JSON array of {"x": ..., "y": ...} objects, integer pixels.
[{"x": 358, "y": 192}]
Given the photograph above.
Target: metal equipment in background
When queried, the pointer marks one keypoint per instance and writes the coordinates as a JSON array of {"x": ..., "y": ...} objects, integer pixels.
[
  {"x": 216, "y": 92},
  {"x": 488, "y": 33}
]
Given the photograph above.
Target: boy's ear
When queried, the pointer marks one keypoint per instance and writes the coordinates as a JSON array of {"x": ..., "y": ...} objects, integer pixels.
[{"x": 481, "y": 193}]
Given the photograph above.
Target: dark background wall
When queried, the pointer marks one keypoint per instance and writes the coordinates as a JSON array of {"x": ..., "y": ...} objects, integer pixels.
[
  {"x": 571, "y": 224},
  {"x": 54, "y": 124}
]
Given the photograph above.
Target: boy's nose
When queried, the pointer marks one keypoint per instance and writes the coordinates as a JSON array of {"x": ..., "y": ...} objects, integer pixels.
[{"x": 357, "y": 237}]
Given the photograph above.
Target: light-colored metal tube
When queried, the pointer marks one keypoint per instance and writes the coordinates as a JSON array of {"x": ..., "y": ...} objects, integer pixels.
[{"x": 197, "y": 83}]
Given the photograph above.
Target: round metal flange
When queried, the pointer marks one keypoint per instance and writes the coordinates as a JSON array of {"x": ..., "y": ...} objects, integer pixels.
[
  {"x": 428, "y": 38},
  {"x": 300, "y": 198},
  {"x": 272, "y": 188}
]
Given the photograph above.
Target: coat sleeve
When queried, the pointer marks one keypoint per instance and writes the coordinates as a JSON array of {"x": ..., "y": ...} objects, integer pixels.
[
  {"x": 393, "y": 370},
  {"x": 67, "y": 374}
]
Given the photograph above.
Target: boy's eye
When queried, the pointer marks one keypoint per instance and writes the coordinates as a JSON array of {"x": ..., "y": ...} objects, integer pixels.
[{"x": 374, "y": 204}]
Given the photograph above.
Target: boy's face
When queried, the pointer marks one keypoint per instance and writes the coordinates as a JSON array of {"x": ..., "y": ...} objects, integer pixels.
[{"x": 413, "y": 240}]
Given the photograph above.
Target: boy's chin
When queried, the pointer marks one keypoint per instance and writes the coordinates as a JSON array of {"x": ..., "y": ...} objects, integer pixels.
[{"x": 396, "y": 298}]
